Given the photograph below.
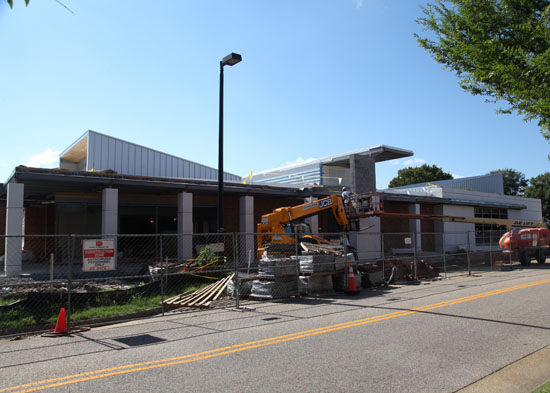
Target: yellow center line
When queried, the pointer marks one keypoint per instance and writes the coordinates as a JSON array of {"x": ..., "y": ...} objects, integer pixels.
[{"x": 136, "y": 367}]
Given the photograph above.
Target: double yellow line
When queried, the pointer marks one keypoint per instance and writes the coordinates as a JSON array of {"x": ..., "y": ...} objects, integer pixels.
[{"x": 136, "y": 367}]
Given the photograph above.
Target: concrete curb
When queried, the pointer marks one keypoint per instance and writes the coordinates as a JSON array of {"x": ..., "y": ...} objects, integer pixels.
[{"x": 526, "y": 375}]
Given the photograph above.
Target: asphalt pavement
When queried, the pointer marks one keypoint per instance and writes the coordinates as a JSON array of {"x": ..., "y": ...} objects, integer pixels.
[{"x": 482, "y": 333}]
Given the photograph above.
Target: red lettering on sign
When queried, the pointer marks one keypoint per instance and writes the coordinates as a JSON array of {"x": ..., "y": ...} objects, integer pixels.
[{"x": 107, "y": 253}]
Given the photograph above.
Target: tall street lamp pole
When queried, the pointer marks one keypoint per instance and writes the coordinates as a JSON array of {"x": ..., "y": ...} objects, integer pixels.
[{"x": 230, "y": 60}]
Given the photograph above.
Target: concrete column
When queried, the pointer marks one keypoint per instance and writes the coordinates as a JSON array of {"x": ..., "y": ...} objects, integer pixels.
[
  {"x": 439, "y": 228},
  {"x": 109, "y": 217},
  {"x": 415, "y": 227},
  {"x": 312, "y": 221},
  {"x": 109, "y": 212},
  {"x": 362, "y": 174},
  {"x": 246, "y": 238},
  {"x": 13, "y": 264},
  {"x": 367, "y": 243},
  {"x": 185, "y": 226}
]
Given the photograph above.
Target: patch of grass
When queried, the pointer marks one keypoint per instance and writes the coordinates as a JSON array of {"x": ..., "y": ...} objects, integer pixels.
[
  {"x": 544, "y": 389},
  {"x": 137, "y": 303},
  {"x": 6, "y": 301},
  {"x": 17, "y": 323},
  {"x": 95, "y": 308}
]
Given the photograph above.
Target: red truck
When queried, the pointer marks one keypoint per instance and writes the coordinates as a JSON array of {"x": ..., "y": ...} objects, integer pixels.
[{"x": 527, "y": 243}]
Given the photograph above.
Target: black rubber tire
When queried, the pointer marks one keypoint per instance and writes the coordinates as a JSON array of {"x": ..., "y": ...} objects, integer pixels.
[
  {"x": 524, "y": 258},
  {"x": 541, "y": 256}
]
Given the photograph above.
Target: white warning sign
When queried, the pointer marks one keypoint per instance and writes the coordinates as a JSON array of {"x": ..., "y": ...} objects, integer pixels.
[{"x": 98, "y": 255}]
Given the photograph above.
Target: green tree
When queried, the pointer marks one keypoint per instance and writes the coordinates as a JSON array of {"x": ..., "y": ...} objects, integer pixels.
[
  {"x": 514, "y": 181},
  {"x": 539, "y": 187},
  {"x": 10, "y": 2},
  {"x": 499, "y": 49},
  {"x": 422, "y": 174}
]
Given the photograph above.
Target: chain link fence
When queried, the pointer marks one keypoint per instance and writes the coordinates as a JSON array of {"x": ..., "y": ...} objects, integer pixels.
[{"x": 100, "y": 279}]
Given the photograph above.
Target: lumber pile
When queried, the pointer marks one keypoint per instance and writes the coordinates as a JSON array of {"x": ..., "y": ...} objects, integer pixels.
[
  {"x": 201, "y": 298},
  {"x": 322, "y": 249}
]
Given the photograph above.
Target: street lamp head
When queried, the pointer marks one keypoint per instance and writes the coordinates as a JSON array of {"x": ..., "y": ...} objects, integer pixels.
[{"x": 231, "y": 59}]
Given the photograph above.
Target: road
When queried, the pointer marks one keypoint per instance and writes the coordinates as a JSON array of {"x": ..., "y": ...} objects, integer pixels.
[{"x": 438, "y": 336}]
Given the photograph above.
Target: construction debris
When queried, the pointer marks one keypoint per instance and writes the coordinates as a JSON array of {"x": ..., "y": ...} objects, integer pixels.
[
  {"x": 320, "y": 249},
  {"x": 201, "y": 298},
  {"x": 245, "y": 285},
  {"x": 395, "y": 269},
  {"x": 166, "y": 268},
  {"x": 424, "y": 270}
]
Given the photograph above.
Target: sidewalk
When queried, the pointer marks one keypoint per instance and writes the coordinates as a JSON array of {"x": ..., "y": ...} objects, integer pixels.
[{"x": 524, "y": 376}]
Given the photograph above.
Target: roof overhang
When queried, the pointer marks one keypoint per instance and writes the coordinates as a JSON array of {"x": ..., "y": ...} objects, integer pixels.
[
  {"x": 393, "y": 197},
  {"x": 77, "y": 151},
  {"x": 41, "y": 184},
  {"x": 378, "y": 153}
]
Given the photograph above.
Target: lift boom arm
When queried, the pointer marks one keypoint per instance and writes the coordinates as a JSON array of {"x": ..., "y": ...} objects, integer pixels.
[{"x": 273, "y": 222}]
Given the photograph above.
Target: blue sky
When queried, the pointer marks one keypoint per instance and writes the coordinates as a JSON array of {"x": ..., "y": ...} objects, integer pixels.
[{"x": 318, "y": 78}]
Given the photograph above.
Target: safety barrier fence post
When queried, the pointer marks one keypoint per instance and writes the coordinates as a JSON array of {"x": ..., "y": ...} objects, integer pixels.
[
  {"x": 236, "y": 278},
  {"x": 163, "y": 272},
  {"x": 415, "y": 262},
  {"x": 444, "y": 255},
  {"x": 491, "y": 234},
  {"x": 468, "y": 257},
  {"x": 69, "y": 278}
]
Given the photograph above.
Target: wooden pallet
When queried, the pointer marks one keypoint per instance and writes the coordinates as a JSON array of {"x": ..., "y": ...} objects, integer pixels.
[{"x": 201, "y": 298}]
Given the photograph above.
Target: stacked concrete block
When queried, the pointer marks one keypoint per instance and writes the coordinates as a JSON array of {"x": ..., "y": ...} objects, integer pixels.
[
  {"x": 316, "y": 274},
  {"x": 274, "y": 289},
  {"x": 278, "y": 279},
  {"x": 277, "y": 267},
  {"x": 316, "y": 284},
  {"x": 313, "y": 264}
]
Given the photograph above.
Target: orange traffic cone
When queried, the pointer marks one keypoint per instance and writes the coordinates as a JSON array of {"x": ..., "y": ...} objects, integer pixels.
[
  {"x": 60, "y": 326},
  {"x": 352, "y": 289}
]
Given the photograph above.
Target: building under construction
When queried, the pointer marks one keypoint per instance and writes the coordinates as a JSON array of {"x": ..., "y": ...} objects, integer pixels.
[{"x": 108, "y": 186}]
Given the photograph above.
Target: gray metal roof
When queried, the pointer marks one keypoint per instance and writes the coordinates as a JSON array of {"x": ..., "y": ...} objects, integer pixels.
[
  {"x": 309, "y": 172},
  {"x": 94, "y": 151},
  {"x": 490, "y": 183},
  {"x": 433, "y": 200}
]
